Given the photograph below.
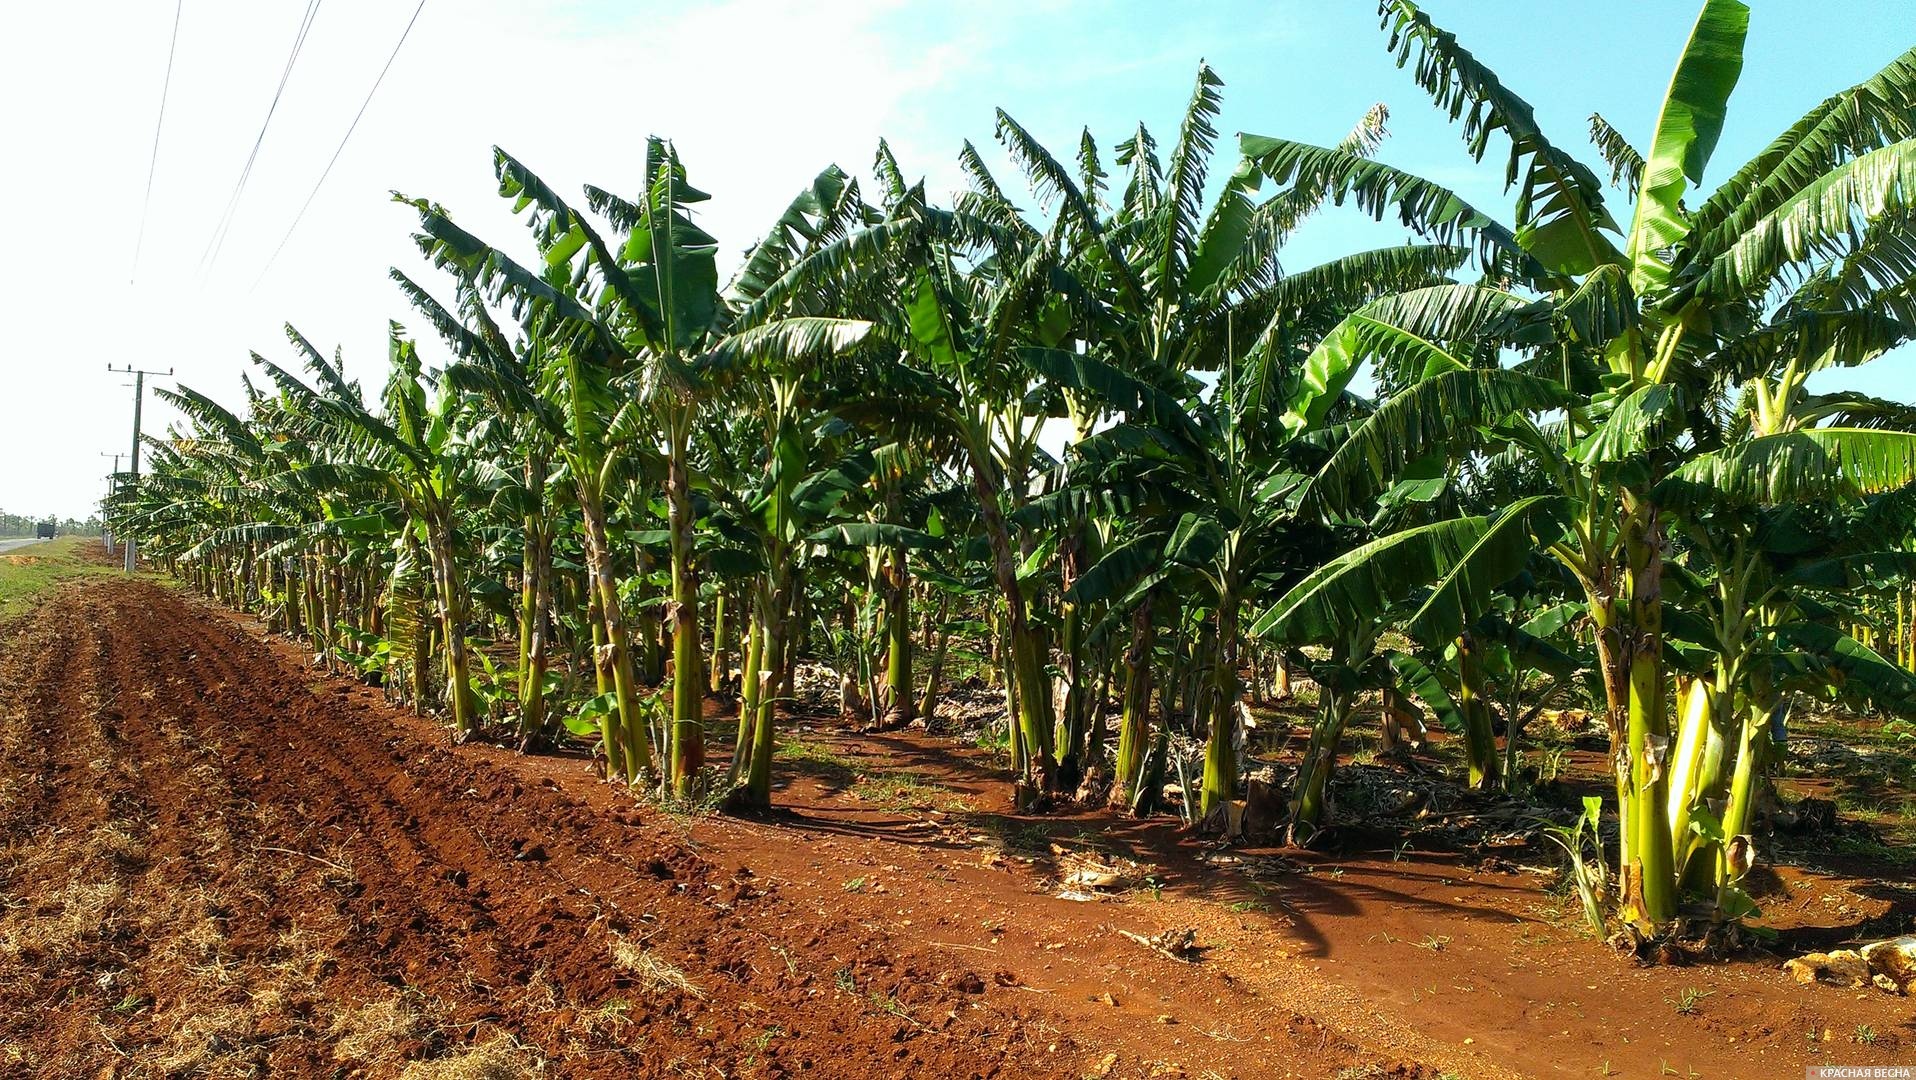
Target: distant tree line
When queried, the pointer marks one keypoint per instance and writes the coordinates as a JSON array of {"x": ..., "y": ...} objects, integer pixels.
[{"x": 22, "y": 524}]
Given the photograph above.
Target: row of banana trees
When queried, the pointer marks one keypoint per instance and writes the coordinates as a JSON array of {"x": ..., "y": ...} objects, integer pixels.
[{"x": 1112, "y": 446}]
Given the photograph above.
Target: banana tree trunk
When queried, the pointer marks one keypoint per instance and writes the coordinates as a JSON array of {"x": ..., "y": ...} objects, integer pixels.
[
  {"x": 934, "y": 679},
  {"x": 748, "y": 695},
  {"x": 534, "y": 722},
  {"x": 1134, "y": 723},
  {"x": 1031, "y": 690},
  {"x": 1075, "y": 708},
  {"x": 897, "y": 708},
  {"x": 627, "y": 751},
  {"x": 716, "y": 670},
  {"x": 452, "y": 621},
  {"x": 1649, "y": 864},
  {"x": 535, "y": 569},
  {"x": 774, "y": 608},
  {"x": 1480, "y": 741},
  {"x": 1097, "y": 734},
  {"x": 1310, "y": 790},
  {"x": 1690, "y": 766},
  {"x": 421, "y": 645},
  {"x": 1752, "y": 742},
  {"x": 1220, "y": 750},
  {"x": 1071, "y": 646},
  {"x": 295, "y": 591},
  {"x": 688, "y": 698}
]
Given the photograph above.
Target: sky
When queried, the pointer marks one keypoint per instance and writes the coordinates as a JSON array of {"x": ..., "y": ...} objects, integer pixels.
[{"x": 758, "y": 95}]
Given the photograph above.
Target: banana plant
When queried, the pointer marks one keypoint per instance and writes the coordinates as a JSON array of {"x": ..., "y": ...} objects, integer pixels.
[
  {"x": 1187, "y": 295},
  {"x": 1636, "y": 326},
  {"x": 412, "y": 451},
  {"x": 1437, "y": 581}
]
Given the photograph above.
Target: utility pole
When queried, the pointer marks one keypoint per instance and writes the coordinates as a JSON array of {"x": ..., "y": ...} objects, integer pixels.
[
  {"x": 106, "y": 531},
  {"x": 133, "y": 473}
]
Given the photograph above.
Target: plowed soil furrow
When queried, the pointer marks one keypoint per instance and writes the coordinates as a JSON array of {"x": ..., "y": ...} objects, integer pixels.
[{"x": 215, "y": 864}]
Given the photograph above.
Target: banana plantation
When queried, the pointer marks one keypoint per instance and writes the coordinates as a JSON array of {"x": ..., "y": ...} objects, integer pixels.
[{"x": 1083, "y": 444}]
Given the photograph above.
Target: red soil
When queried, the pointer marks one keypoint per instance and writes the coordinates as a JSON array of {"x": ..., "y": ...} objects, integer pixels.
[{"x": 216, "y": 861}]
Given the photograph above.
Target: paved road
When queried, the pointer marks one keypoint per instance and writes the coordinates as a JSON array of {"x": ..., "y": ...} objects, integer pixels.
[{"x": 9, "y": 545}]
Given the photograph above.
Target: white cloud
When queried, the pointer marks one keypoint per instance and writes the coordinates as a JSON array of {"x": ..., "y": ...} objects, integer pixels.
[{"x": 757, "y": 95}]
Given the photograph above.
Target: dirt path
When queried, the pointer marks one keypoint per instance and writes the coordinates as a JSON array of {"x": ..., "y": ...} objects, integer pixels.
[
  {"x": 216, "y": 861},
  {"x": 1405, "y": 962}
]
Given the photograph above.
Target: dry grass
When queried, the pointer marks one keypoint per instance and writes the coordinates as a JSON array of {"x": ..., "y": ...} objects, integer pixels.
[
  {"x": 65, "y": 923},
  {"x": 653, "y": 973},
  {"x": 120, "y": 848},
  {"x": 498, "y": 1058},
  {"x": 208, "y": 1041},
  {"x": 377, "y": 1032},
  {"x": 299, "y": 958},
  {"x": 606, "y": 1025}
]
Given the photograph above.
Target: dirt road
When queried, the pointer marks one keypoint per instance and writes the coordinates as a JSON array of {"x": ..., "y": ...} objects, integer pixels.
[{"x": 217, "y": 861}]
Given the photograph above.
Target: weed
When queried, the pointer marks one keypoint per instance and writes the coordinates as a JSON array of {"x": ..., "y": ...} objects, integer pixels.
[
  {"x": 890, "y": 1005},
  {"x": 1551, "y": 763},
  {"x": 761, "y": 1041},
  {"x": 1587, "y": 871},
  {"x": 1434, "y": 942},
  {"x": 1865, "y": 1035},
  {"x": 1687, "y": 1002},
  {"x": 856, "y": 884}
]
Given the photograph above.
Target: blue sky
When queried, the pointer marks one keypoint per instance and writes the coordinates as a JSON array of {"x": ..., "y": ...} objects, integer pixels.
[
  {"x": 1308, "y": 70},
  {"x": 758, "y": 94}
]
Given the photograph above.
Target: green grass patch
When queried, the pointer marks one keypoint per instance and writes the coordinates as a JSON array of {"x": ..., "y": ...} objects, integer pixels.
[
  {"x": 1011, "y": 834},
  {"x": 1895, "y": 854},
  {"x": 905, "y": 791},
  {"x": 818, "y": 759},
  {"x": 891, "y": 790},
  {"x": 30, "y": 570}
]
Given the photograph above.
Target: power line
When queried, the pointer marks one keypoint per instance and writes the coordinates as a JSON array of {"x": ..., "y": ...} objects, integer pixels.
[
  {"x": 166, "y": 85},
  {"x": 218, "y": 240},
  {"x": 350, "y": 128}
]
